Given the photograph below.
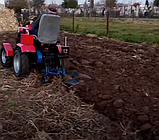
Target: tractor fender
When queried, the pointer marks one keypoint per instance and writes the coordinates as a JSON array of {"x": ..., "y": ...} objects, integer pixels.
[
  {"x": 8, "y": 49},
  {"x": 27, "y": 48}
]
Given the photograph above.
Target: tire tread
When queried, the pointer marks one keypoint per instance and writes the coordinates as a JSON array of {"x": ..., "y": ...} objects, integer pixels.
[{"x": 8, "y": 59}]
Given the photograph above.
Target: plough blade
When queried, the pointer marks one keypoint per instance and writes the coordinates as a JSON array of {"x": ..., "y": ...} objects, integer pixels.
[{"x": 71, "y": 82}]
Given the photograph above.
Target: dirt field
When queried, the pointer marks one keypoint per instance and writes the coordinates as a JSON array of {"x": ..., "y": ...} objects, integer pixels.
[{"x": 117, "y": 79}]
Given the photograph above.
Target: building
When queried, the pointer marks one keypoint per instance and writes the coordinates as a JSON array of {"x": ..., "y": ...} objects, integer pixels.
[{"x": 2, "y": 4}]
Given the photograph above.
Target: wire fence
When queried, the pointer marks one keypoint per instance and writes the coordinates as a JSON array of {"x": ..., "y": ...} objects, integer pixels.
[{"x": 111, "y": 24}]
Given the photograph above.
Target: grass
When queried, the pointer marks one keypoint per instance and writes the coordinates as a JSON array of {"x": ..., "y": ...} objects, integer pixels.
[
  {"x": 7, "y": 93},
  {"x": 12, "y": 105},
  {"x": 126, "y": 30}
]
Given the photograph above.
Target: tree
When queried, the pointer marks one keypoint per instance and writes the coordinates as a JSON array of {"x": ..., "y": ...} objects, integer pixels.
[
  {"x": 92, "y": 4},
  {"x": 65, "y": 4},
  {"x": 156, "y": 3},
  {"x": 110, "y": 3},
  {"x": 147, "y": 3},
  {"x": 17, "y": 5},
  {"x": 38, "y": 3},
  {"x": 70, "y": 4}
]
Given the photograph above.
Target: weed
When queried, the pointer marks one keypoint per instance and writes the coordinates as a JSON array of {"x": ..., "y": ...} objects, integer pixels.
[{"x": 12, "y": 104}]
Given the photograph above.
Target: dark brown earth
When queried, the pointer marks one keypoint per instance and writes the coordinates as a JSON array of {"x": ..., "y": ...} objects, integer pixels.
[{"x": 119, "y": 79}]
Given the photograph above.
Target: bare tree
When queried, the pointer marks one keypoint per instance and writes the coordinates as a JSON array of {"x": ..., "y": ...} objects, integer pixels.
[
  {"x": 38, "y": 4},
  {"x": 111, "y": 3}
]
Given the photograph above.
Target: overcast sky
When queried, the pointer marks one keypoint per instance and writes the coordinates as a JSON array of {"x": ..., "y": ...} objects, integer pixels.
[{"x": 82, "y": 1}]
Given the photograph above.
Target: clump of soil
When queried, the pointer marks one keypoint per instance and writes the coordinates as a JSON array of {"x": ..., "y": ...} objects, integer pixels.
[
  {"x": 121, "y": 80},
  {"x": 117, "y": 79},
  {"x": 31, "y": 110}
]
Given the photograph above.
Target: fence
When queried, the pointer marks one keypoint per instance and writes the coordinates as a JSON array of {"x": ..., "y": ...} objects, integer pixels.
[
  {"x": 128, "y": 29},
  {"x": 136, "y": 30}
]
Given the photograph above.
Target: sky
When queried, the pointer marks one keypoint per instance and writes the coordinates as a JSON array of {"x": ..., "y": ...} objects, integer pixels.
[{"x": 82, "y": 1}]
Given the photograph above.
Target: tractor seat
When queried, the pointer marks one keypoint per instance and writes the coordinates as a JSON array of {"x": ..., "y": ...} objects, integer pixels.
[{"x": 49, "y": 28}]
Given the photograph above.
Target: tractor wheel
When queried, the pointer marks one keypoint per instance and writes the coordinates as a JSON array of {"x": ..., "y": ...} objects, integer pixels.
[
  {"x": 6, "y": 61},
  {"x": 20, "y": 64}
]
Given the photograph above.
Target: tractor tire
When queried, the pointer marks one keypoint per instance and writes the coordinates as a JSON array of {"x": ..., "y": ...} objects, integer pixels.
[
  {"x": 6, "y": 61},
  {"x": 20, "y": 64}
]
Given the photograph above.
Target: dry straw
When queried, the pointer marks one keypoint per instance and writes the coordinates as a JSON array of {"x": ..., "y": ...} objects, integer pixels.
[
  {"x": 8, "y": 21},
  {"x": 53, "y": 112}
]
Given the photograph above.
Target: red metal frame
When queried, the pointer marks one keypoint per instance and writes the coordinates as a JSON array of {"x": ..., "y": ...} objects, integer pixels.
[
  {"x": 27, "y": 39},
  {"x": 20, "y": 29},
  {"x": 30, "y": 26},
  {"x": 60, "y": 49},
  {"x": 26, "y": 48},
  {"x": 8, "y": 49}
]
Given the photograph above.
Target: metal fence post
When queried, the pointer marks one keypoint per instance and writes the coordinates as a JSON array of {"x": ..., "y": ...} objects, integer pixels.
[
  {"x": 73, "y": 21},
  {"x": 107, "y": 27}
]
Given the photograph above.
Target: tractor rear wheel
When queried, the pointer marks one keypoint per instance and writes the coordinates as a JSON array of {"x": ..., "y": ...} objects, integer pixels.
[
  {"x": 20, "y": 64},
  {"x": 6, "y": 61}
]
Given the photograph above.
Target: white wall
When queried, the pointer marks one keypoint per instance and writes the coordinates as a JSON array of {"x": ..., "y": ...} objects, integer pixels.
[{"x": 2, "y": 4}]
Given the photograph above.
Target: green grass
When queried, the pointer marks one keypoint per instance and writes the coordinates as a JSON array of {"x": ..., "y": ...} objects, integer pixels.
[
  {"x": 7, "y": 93},
  {"x": 136, "y": 32},
  {"x": 12, "y": 105}
]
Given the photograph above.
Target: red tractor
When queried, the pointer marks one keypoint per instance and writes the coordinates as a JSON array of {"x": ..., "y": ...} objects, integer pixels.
[{"x": 43, "y": 50}]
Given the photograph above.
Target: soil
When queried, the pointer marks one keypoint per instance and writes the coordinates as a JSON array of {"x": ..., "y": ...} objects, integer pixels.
[{"x": 120, "y": 80}]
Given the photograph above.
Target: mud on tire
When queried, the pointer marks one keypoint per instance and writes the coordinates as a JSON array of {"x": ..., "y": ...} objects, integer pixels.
[
  {"x": 6, "y": 61},
  {"x": 20, "y": 64}
]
